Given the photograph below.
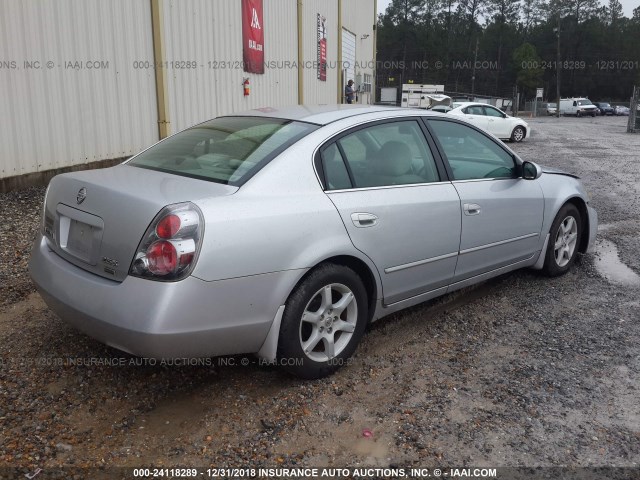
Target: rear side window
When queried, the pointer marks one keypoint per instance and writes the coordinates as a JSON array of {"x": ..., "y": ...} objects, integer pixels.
[
  {"x": 474, "y": 110},
  {"x": 472, "y": 155},
  {"x": 393, "y": 153},
  {"x": 335, "y": 170},
  {"x": 492, "y": 112},
  {"x": 227, "y": 150}
]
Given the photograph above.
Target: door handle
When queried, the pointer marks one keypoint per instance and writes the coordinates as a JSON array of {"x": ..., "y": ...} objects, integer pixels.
[
  {"x": 362, "y": 220},
  {"x": 471, "y": 209}
]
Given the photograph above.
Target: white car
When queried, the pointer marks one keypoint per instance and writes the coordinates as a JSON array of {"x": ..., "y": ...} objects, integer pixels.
[{"x": 493, "y": 120}]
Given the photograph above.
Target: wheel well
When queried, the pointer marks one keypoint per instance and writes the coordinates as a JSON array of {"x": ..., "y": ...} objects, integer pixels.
[
  {"x": 584, "y": 216},
  {"x": 363, "y": 271},
  {"x": 524, "y": 130}
]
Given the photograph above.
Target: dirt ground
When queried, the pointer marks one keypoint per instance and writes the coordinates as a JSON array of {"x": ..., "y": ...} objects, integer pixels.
[{"x": 519, "y": 371}]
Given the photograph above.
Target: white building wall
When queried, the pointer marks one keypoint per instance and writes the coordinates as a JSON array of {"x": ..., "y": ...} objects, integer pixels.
[
  {"x": 56, "y": 115},
  {"x": 64, "y": 113},
  {"x": 209, "y": 33},
  {"x": 317, "y": 92}
]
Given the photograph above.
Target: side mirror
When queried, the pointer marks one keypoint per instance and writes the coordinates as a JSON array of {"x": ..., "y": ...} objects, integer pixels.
[{"x": 531, "y": 171}]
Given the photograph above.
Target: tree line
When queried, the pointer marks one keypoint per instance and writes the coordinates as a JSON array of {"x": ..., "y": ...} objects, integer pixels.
[{"x": 488, "y": 47}]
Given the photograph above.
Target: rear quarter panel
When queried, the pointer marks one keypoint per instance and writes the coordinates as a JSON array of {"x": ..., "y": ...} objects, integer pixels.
[{"x": 279, "y": 220}]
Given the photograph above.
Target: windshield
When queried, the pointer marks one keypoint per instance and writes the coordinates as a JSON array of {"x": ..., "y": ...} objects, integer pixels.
[
  {"x": 604, "y": 105},
  {"x": 553, "y": 105},
  {"x": 584, "y": 102},
  {"x": 227, "y": 150}
]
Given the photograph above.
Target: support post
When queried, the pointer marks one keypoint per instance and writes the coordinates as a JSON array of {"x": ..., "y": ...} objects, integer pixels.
[
  {"x": 157, "y": 25},
  {"x": 300, "y": 55}
]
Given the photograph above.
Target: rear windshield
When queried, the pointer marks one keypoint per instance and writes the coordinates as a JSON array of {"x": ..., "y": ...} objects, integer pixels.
[{"x": 227, "y": 150}]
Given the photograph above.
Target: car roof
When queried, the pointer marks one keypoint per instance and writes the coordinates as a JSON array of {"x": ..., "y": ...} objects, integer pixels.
[
  {"x": 467, "y": 104},
  {"x": 317, "y": 114}
]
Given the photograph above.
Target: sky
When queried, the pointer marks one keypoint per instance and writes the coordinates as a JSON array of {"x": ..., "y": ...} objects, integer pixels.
[{"x": 627, "y": 5}]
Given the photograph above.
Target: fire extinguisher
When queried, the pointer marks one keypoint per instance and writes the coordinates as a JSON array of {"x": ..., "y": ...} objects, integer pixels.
[{"x": 247, "y": 87}]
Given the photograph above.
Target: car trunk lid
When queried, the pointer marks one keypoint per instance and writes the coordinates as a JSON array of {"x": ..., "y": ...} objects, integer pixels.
[{"x": 95, "y": 219}]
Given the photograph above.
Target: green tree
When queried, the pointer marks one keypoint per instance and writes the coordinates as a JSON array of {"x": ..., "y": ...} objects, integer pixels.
[
  {"x": 614, "y": 11},
  {"x": 527, "y": 65},
  {"x": 504, "y": 12},
  {"x": 404, "y": 16}
]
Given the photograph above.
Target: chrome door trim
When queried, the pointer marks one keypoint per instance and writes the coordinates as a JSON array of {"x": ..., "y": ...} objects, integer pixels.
[
  {"x": 495, "y": 244},
  {"x": 384, "y": 187},
  {"x": 492, "y": 179},
  {"x": 419, "y": 262}
]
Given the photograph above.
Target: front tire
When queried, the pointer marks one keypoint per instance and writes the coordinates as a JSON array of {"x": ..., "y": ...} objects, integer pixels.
[
  {"x": 518, "y": 134},
  {"x": 323, "y": 321},
  {"x": 564, "y": 238}
]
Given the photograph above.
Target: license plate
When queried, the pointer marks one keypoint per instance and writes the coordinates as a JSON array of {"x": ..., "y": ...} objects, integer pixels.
[
  {"x": 80, "y": 240},
  {"x": 79, "y": 233}
]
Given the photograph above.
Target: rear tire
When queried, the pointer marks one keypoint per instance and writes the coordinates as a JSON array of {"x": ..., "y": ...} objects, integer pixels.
[
  {"x": 323, "y": 321},
  {"x": 564, "y": 239}
]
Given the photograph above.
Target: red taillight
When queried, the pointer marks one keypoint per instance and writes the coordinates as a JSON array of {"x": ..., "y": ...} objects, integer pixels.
[
  {"x": 170, "y": 246},
  {"x": 168, "y": 226},
  {"x": 163, "y": 258}
]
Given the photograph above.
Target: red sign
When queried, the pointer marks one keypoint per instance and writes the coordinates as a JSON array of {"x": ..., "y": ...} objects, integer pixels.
[
  {"x": 252, "y": 36},
  {"x": 322, "y": 48}
]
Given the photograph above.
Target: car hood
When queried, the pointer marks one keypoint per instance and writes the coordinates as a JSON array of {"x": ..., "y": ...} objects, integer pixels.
[{"x": 555, "y": 171}]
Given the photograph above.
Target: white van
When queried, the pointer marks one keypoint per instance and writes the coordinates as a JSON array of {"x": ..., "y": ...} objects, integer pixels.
[{"x": 577, "y": 106}]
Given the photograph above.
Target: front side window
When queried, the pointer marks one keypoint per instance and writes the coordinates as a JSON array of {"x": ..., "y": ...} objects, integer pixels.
[
  {"x": 471, "y": 154},
  {"x": 394, "y": 153},
  {"x": 225, "y": 150}
]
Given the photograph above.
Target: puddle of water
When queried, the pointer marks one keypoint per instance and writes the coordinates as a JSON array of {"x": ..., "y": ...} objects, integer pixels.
[{"x": 608, "y": 264}]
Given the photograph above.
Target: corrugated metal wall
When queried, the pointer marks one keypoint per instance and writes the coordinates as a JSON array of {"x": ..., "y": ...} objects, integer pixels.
[
  {"x": 87, "y": 91},
  {"x": 64, "y": 110},
  {"x": 317, "y": 91},
  {"x": 209, "y": 33}
]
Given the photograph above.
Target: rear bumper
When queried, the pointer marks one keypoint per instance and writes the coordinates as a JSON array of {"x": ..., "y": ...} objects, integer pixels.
[{"x": 190, "y": 318}]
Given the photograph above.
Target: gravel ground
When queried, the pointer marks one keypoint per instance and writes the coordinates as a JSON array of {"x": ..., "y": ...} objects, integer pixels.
[
  {"x": 519, "y": 371},
  {"x": 20, "y": 214}
]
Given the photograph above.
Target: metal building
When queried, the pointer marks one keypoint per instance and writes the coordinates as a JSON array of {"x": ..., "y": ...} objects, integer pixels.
[{"x": 84, "y": 81}]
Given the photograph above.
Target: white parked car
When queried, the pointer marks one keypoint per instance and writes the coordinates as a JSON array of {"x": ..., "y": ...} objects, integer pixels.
[{"x": 493, "y": 120}]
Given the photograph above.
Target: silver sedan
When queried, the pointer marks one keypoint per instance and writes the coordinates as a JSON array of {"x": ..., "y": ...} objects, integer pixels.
[{"x": 284, "y": 232}]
